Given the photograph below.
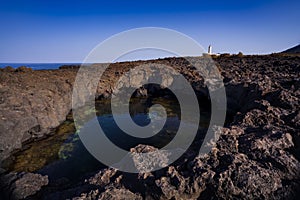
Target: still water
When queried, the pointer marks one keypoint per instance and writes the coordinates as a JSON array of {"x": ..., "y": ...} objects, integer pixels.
[{"x": 63, "y": 156}]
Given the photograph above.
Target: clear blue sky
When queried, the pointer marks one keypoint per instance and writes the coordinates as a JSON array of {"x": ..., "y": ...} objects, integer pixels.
[{"x": 66, "y": 31}]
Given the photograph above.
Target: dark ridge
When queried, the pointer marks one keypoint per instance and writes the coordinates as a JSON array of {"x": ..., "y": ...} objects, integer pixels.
[
  {"x": 69, "y": 67},
  {"x": 295, "y": 49}
]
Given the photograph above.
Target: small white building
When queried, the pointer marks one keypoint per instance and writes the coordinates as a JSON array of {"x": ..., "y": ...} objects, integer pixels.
[
  {"x": 209, "y": 52},
  {"x": 209, "y": 49}
]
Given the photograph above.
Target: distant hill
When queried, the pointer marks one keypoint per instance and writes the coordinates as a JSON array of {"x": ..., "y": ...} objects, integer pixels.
[{"x": 295, "y": 49}]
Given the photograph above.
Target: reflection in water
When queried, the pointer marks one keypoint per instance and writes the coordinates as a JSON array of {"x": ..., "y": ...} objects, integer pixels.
[
  {"x": 64, "y": 156},
  {"x": 40, "y": 153}
]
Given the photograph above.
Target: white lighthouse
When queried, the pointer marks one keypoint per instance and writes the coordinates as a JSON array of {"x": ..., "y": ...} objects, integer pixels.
[{"x": 209, "y": 49}]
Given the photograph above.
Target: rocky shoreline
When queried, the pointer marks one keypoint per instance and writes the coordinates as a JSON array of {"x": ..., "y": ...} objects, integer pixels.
[{"x": 256, "y": 157}]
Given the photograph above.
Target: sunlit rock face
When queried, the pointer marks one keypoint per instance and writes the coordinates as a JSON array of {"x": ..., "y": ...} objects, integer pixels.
[{"x": 33, "y": 104}]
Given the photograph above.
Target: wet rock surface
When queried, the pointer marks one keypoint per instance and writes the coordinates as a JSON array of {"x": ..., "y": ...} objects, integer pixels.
[{"x": 256, "y": 157}]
